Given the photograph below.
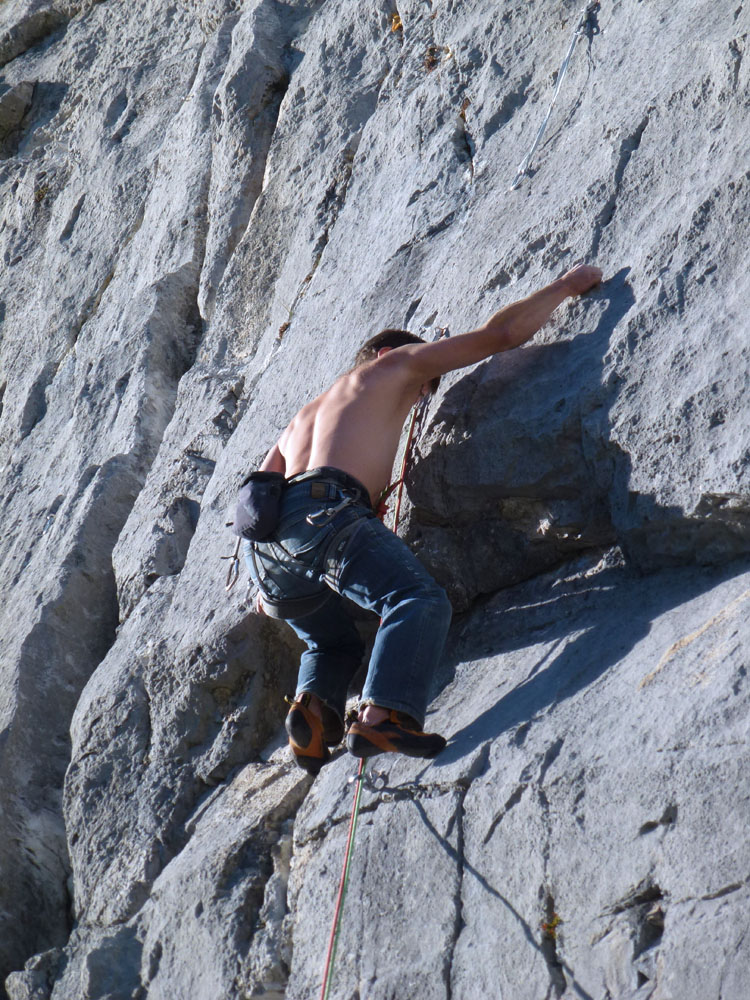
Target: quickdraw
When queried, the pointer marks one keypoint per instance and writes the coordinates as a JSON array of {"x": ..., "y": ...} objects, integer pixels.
[{"x": 233, "y": 573}]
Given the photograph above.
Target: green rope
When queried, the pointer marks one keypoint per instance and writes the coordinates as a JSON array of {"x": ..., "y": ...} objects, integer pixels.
[{"x": 335, "y": 929}]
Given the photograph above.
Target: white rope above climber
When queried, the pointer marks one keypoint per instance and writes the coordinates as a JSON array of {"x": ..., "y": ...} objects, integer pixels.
[{"x": 524, "y": 165}]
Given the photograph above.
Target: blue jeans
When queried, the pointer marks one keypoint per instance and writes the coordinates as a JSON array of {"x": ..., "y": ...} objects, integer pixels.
[{"x": 305, "y": 570}]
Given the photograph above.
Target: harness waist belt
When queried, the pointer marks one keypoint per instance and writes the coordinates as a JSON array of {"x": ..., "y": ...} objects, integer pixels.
[{"x": 331, "y": 475}]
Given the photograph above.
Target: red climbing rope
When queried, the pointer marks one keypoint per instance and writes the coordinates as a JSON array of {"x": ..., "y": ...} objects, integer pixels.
[{"x": 402, "y": 473}]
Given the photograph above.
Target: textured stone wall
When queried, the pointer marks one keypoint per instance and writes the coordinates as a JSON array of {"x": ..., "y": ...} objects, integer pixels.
[{"x": 205, "y": 208}]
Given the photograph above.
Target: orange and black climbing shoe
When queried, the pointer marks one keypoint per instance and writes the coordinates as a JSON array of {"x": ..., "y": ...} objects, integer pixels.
[
  {"x": 399, "y": 733},
  {"x": 310, "y": 736}
]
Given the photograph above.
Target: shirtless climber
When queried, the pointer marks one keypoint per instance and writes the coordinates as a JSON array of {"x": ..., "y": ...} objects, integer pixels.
[{"x": 336, "y": 456}]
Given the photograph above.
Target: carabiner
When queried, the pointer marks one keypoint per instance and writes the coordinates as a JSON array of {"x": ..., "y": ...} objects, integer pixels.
[
  {"x": 233, "y": 573},
  {"x": 320, "y": 518}
]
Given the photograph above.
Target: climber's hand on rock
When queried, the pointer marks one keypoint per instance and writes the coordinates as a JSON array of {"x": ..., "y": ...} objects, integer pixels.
[
  {"x": 259, "y": 609},
  {"x": 581, "y": 278}
]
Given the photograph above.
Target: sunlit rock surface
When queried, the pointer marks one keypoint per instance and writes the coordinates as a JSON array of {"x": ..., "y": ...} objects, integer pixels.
[{"x": 206, "y": 208}]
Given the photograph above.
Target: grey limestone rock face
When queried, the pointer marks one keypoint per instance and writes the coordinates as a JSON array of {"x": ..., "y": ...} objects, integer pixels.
[
  {"x": 545, "y": 867},
  {"x": 206, "y": 208}
]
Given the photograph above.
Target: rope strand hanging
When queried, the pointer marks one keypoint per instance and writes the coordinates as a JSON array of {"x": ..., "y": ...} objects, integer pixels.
[
  {"x": 525, "y": 164},
  {"x": 343, "y": 884}
]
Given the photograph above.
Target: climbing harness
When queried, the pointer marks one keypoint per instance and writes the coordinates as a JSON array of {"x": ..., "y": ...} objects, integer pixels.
[{"x": 586, "y": 12}]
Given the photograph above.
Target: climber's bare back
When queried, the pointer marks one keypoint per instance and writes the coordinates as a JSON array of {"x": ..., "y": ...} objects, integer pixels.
[{"x": 354, "y": 426}]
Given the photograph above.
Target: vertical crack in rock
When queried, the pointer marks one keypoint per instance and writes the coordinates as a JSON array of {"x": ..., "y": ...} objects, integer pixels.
[
  {"x": 459, "y": 922},
  {"x": 397, "y": 24},
  {"x": 328, "y": 212},
  {"x": 245, "y": 114},
  {"x": 35, "y": 407},
  {"x": 412, "y": 310},
  {"x": 463, "y": 141},
  {"x": 90, "y": 307},
  {"x": 268, "y": 960},
  {"x": 629, "y": 145},
  {"x": 479, "y": 768},
  {"x": 269, "y": 855},
  {"x": 736, "y": 52},
  {"x": 548, "y": 944},
  {"x": 553, "y": 752},
  {"x": 558, "y": 983},
  {"x": 70, "y": 225}
]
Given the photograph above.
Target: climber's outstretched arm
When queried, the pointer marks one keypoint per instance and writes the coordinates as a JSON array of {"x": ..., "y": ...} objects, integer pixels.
[{"x": 511, "y": 326}]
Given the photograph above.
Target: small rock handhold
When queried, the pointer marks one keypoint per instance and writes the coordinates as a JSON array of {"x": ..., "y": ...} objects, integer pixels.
[
  {"x": 432, "y": 58},
  {"x": 655, "y": 916},
  {"x": 14, "y": 104}
]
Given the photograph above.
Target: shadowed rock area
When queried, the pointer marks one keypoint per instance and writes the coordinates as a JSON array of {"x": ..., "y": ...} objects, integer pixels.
[{"x": 206, "y": 208}]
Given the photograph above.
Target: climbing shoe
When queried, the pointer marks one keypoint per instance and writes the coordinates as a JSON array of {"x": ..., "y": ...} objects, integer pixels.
[
  {"x": 310, "y": 736},
  {"x": 399, "y": 733}
]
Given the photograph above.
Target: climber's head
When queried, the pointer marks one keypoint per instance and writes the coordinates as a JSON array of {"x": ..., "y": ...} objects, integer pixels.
[{"x": 386, "y": 340}]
